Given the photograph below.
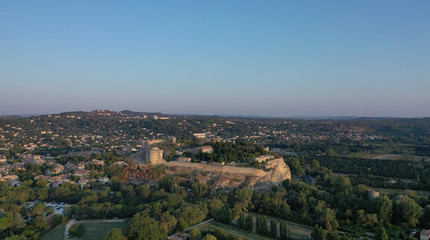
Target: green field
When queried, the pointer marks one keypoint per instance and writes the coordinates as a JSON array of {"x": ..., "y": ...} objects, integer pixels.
[
  {"x": 93, "y": 229},
  {"x": 55, "y": 234}
]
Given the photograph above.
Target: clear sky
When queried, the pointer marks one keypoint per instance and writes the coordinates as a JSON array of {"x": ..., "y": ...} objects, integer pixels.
[{"x": 270, "y": 58}]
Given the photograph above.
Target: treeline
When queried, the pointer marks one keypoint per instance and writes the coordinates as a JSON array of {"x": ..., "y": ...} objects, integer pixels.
[
  {"x": 273, "y": 228},
  {"x": 378, "y": 167}
]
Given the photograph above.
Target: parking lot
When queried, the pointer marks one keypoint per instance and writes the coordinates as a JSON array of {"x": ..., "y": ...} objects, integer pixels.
[{"x": 57, "y": 206}]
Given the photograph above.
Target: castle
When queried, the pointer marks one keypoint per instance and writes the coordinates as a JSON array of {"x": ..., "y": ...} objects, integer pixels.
[
  {"x": 148, "y": 154},
  {"x": 275, "y": 171}
]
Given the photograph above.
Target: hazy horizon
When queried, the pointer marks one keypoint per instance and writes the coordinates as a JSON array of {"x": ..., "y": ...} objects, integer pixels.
[
  {"x": 275, "y": 59},
  {"x": 214, "y": 114}
]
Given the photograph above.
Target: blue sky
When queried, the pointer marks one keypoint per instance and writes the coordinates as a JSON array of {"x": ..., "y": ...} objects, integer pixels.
[{"x": 271, "y": 58}]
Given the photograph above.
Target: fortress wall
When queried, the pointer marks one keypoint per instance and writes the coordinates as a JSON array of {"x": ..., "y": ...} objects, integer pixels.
[
  {"x": 216, "y": 168},
  {"x": 139, "y": 156}
]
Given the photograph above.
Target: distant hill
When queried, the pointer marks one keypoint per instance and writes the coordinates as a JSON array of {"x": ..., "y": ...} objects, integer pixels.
[
  {"x": 132, "y": 113},
  {"x": 19, "y": 116},
  {"x": 159, "y": 114},
  {"x": 11, "y": 116}
]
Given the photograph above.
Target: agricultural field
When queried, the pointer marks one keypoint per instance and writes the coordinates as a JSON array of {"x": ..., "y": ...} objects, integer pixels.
[{"x": 400, "y": 157}]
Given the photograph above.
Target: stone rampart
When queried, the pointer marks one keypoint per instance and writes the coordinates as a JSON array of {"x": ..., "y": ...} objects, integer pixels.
[{"x": 218, "y": 168}]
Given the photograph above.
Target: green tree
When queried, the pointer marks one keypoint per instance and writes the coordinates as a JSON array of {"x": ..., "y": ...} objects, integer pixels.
[
  {"x": 328, "y": 219},
  {"x": 224, "y": 215},
  {"x": 273, "y": 229},
  {"x": 115, "y": 234},
  {"x": 145, "y": 228},
  {"x": 195, "y": 234},
  {"x": 284, "y": 232},
  {"x": 76, "y": 230},
  {"x": 40, "y": 222},
  {"x": 261, "y": 225},
  {"x": 385, "y": 212},
  {"x": 16, "y": 237},
  {"x": 407, "y": 210},
  {"x": 144, "y": 192},
  {"x": 115, "y": 183},
  {"x": 295, "y": 163},
  {"x": 56, "y": 220},
  {"x": 209, "y": 237},
  {"x": 200, "y": 189},
  {"x": 319, "y": 233},
  {"x": 241, "y": 222},
  {"x": 167, "y": 183},
  {"x": 129, "y": 194},
  {"x": 249, "y": 223},
  {"x": 4, "y": 223},
  {"x": 15, "y": 220},
  {"x": 182, "y": 226},
  {"x": 168, "y": 222},
  {"x": 381, "y": 234},
  {"x": 38, "y": 210}
]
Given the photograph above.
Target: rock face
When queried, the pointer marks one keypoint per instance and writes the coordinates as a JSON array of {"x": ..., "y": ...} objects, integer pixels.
[{"x": 278, "y": 172}]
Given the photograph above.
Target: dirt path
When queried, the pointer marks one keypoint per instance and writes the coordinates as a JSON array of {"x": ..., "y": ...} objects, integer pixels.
[{"x": 66, "y": 231}]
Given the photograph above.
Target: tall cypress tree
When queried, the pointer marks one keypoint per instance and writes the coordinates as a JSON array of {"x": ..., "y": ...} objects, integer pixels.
[
  {"x": 273, "y": 229},
  {"x": 241, "y": 221},
  {"x": 250, "y": 223},
  {"x": 264, "y": 227},
  {"x": 284, "y": 232}
]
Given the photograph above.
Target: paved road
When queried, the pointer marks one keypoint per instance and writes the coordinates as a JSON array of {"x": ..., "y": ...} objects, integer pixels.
[
  {"x": 177, "y": 236},
  {"x": 202, "y": 223}
]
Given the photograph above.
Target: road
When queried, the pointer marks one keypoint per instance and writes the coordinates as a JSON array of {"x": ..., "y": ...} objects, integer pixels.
[{"x": 181, "y": 236}]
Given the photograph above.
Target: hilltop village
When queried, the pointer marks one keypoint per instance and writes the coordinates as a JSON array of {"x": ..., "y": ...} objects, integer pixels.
[{"x": 164, "y": 174}]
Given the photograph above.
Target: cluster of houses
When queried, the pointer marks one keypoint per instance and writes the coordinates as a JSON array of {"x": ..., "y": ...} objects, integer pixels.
[{"x": 56, "y": 174}]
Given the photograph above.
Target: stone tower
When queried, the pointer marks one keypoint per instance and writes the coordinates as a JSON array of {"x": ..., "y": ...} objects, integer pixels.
[{"x": 154, "y": 155}]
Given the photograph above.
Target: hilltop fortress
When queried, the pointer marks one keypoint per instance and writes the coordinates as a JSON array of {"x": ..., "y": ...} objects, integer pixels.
[{"x": 274, "y": 172}]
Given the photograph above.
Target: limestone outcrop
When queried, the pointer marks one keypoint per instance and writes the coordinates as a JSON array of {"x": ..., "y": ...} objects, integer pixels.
[{"x": 275, "y": 172}]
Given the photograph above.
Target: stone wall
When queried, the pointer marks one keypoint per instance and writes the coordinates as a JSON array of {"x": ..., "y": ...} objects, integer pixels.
[{"x": 218, "y": 168}]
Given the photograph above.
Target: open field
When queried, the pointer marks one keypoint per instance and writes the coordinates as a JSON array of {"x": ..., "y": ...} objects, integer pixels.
[
  {"x": 94, "y": 229},
  {"x": 399, "y": 156},
  {"x": 55, "y": 234}
]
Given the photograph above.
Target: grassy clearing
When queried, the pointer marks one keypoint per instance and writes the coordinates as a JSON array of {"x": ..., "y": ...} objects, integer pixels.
[
  {"x": 93, "y": 230},
  {"x": 97, "y": 230},
  {"x": 55, "y": 234}
]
